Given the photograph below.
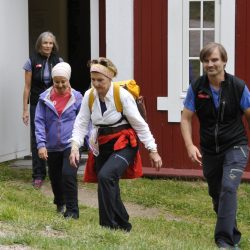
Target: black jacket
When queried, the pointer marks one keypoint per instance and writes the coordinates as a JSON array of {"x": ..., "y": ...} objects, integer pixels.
[
  {"x": 37, "y": 82},
  {"x": 220, "y": 128}
]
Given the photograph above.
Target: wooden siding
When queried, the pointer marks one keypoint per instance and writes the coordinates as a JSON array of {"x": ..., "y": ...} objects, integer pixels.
[
  {"x": 242, "y": 46},
  {"x": 150, "y": 51},
  {"x": 150, "y": 70}
]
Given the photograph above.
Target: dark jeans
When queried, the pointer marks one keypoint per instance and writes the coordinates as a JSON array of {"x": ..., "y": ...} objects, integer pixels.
[
  {"x": 110, "y": 166},
  {"x": 223, "y": 173},
  {"x": 38, "y": 165},
  {"x": 63, "y": 178}
]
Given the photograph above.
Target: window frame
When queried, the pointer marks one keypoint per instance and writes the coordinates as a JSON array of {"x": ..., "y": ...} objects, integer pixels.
[{"x": 186, "y": 29}]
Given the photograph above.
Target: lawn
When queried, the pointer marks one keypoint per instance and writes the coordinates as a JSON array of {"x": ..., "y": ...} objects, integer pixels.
[{"x": 185, "y": 219}]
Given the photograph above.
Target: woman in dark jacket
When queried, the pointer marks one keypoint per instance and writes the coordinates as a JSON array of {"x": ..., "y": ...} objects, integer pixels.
[{"x": 37, "y": 79}]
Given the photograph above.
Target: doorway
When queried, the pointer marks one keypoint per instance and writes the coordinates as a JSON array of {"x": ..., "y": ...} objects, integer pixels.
[{"x": 69, "y": 21}]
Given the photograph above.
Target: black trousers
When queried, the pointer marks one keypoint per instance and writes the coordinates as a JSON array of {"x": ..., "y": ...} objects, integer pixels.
[
  {"x": 223, "y": 173},
  {"x": 38, "y": 165},
  {"x": 110, "y": 166},
  {"x": 63, "y": 178}
]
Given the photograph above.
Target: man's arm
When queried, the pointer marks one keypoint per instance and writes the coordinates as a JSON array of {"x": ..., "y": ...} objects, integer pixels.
[
  {"x": 186, "y": 130},
  {"x": 247, "y": 116}
]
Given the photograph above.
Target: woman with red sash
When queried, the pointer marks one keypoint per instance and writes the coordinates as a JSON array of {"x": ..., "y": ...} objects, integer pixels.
[{"x": 113, "y": 142}]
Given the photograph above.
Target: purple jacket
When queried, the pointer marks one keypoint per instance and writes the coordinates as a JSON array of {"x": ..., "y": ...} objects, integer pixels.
[{"x": 52, "y": 131}]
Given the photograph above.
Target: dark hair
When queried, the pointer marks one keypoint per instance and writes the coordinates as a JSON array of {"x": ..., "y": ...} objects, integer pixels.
[
  {"x": 208, "y": 50},
  {"x": 105, "y": 62},
  {"x": 40, "y": 39}
]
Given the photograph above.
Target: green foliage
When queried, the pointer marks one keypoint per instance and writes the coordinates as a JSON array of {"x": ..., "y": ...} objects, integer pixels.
[{"x": 28, "y": 217}]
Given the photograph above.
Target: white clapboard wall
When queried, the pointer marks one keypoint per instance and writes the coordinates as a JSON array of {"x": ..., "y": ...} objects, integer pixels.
[{"x": 14, "y": 136}]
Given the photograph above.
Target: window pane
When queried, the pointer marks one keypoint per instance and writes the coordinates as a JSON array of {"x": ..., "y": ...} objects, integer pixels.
[
  {"x": 194, "y": 70},
  {"x": 194, "y": 14},
  {"x": 208, "y": 15},
  {"x": 194, "y": 43},
  {"x": 208, "y": 36}
]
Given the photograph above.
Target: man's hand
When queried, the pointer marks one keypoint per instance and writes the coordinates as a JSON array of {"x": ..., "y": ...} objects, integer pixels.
[{"x": 194, "y": 154}]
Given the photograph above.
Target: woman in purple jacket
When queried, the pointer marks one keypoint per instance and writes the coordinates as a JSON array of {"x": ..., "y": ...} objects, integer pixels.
[{"x": 55, "y": 115}]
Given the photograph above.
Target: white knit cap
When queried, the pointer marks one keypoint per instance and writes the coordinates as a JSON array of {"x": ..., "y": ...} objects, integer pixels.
[{"x": 61, "y": 69}]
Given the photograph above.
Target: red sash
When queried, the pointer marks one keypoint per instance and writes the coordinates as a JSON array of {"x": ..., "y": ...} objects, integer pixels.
[{"x": 125, "y": 137}]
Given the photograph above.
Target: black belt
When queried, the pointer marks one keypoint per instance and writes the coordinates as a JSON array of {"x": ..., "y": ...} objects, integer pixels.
[{"x": 112, "y": 130}]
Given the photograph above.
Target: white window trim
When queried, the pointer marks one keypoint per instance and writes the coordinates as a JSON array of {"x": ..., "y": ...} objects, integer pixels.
[
  {"x": 174, "y": 102},
  {"x": 120, "y": 36}
]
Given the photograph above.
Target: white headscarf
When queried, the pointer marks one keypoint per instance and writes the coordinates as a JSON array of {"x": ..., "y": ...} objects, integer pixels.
[{"x": 61, "y": 69}]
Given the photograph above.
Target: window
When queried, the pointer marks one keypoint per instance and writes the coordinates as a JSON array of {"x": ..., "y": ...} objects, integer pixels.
[
  {"x": 200, "y": 26},
  {"x": 192, "y": 24}
]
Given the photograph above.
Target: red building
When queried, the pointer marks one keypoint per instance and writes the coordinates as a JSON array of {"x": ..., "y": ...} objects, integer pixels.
[{"x": 195, "y": 22}]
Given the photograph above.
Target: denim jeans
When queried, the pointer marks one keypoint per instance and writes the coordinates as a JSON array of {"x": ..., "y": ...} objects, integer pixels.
[
  {"x": 223, "y": 173},
  {"x": 38, "y": 165}
]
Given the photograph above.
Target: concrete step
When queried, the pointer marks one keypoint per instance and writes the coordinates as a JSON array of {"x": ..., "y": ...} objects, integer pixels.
[{"x": 26, "y": 163}]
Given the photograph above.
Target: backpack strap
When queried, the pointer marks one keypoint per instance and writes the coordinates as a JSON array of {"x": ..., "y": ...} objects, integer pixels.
[
  {"x": 91, "y": 99},
  {"x": 117, "y": 99}
]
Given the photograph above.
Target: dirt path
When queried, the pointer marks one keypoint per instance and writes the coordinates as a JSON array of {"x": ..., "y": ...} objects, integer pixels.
[
  {"x": 88, "y": 197},
  {"x": 15, "y": 247}
]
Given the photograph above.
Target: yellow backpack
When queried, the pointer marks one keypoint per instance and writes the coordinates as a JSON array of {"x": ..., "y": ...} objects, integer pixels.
[{"x": 132, "y": 87}]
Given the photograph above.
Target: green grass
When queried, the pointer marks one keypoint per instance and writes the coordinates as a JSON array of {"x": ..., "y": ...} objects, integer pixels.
[{"x": 28, "y": 218}]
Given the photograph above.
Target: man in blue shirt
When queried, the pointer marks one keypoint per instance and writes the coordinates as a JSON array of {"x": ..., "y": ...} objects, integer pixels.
[{"x": 219, "y": 100}]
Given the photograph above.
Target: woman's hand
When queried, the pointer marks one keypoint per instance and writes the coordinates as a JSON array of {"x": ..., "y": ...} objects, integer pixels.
[
  {"x": 155, "y": 160},
  {"x": 42, "y": 153},
  {"x": 74, "y": 158},
  {"x": 26, "y": 117}
]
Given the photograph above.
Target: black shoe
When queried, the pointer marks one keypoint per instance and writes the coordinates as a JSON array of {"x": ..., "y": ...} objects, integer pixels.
[
  {"x": 71, "y": 215},
  {"x": 126, "y": 228},
  {"x": 60, "y": 209},
  {"x": 223, "y": 245},
  {"x": 236, "y": 247}
]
